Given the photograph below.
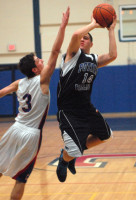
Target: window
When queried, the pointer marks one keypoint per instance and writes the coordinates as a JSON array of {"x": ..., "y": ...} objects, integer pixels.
[{"x": 127, "y": 32}]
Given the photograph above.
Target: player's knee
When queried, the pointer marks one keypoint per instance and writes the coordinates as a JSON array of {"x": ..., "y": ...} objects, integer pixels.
[{"x": 108, "y": 136}]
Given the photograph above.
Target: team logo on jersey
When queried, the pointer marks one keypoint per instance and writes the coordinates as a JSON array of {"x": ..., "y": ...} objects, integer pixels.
[
  {"x": 87, "y": 67},
  {"x": 95, "y": 161}
]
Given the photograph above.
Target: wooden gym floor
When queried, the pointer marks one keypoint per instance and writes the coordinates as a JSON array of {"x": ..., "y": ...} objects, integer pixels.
[{"x": 105, "y": 172}]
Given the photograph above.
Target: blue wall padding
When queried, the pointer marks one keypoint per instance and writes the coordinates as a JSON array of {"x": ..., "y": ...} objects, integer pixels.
[
  {"x": 53, "y": 91},
  {"x": 6, "y": 103},
  {"x": 5, "y": 78},
  {"x": 114, "y": 90}
]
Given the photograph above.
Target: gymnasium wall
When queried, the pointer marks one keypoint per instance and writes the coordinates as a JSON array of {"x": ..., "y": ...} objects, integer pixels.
[
  {"x": 80, "y": 15},
  {"x": 17, "y": 27},
  {"x": 114, "y": 90}
]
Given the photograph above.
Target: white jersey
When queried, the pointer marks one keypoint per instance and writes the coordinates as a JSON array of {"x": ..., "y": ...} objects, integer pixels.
[{"x": 33, "y": 105}]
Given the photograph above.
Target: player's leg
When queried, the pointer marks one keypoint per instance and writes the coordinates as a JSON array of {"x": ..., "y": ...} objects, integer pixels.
[
  {"x": 70, "y": 129},
  {"x": 71, "y": 162},
  {"x": 62, "y": 166},
  {"x": 67, "y": 157},
  {"x": 17, "y": 191},
  {"x": 93, "y": 141},
  {"x": 21, "y": 179},
  {"x": 100, "y": 128},
  {"x": 0, "y": 175}
]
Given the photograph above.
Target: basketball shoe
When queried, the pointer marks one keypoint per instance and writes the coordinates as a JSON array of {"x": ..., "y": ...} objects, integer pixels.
[
  {"x": 71, "y": 166},
  {"x": 62, "y": 168}
]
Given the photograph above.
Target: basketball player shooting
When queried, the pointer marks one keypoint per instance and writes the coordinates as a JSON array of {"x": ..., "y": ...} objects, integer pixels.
[{"x": 81, "y": 124}]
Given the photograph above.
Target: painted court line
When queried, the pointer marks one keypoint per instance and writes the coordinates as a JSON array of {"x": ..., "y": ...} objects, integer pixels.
[
  {"x": 74, "y": 183},
  {"x": 93, "y": 196}
]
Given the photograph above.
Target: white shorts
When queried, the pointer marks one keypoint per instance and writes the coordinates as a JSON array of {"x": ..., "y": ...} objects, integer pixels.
[{"x": 18, "y": 147}]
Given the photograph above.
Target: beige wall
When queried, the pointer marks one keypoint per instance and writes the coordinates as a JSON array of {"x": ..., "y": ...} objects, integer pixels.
[{"x": 17, "y": 27}]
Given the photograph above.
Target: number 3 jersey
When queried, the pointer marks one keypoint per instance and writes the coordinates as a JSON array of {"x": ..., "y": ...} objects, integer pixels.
[
  {"x": 75, "y": 84},
  {"x": 33, "y": 105}
]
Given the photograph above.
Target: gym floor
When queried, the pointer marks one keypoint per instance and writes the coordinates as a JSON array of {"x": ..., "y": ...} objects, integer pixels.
[{"x": 105, "y": 172}]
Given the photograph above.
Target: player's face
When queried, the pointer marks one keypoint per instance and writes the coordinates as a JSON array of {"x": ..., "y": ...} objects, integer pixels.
[
  {"x": 86, "y": 44},
  {"x": 39, "y": 64}
]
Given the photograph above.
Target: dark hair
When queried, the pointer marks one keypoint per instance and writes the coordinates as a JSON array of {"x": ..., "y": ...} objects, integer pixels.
[
  {"x": 26, "y": 64},
  {"x": 91, "y": 38}
]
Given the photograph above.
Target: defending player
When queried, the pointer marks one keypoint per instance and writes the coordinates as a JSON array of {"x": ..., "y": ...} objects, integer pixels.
[{"x": 21, "y": 143}]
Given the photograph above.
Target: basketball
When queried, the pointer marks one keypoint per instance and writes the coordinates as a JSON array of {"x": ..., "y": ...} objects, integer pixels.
[{"x": 103, "y": 14}]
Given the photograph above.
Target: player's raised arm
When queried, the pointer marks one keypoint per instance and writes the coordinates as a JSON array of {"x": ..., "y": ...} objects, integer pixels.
[
  {"x": 105, "y": 59},
  {"x": 76, "y": 38},
  {"x": 49, "y": 68},
  {"x": 105, "y": 15},
  {"x": 9, "y": 89}
]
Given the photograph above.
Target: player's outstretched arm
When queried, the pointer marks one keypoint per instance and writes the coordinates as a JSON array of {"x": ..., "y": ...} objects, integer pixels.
[
  {"x": 49, "y": 68},
  {"x": 76, "y": 38},
  {"x": 9, "y": 89},
  {"x": 112, "y": 55}
]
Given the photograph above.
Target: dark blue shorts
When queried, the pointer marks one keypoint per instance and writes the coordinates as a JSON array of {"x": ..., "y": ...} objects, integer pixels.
[
  {"x": 25, "y": 173},
  {"x": 79, "y": 128}
]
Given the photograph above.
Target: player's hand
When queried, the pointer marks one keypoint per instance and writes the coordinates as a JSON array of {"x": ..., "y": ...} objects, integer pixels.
[
  {"x": 112, "y": 26},
  {"x": 95, "y": 23},
  {"x": 65, "y": 17}
]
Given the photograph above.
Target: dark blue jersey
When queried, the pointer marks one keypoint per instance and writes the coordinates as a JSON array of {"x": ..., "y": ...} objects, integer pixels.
[{"x": 75, "y": 84}]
